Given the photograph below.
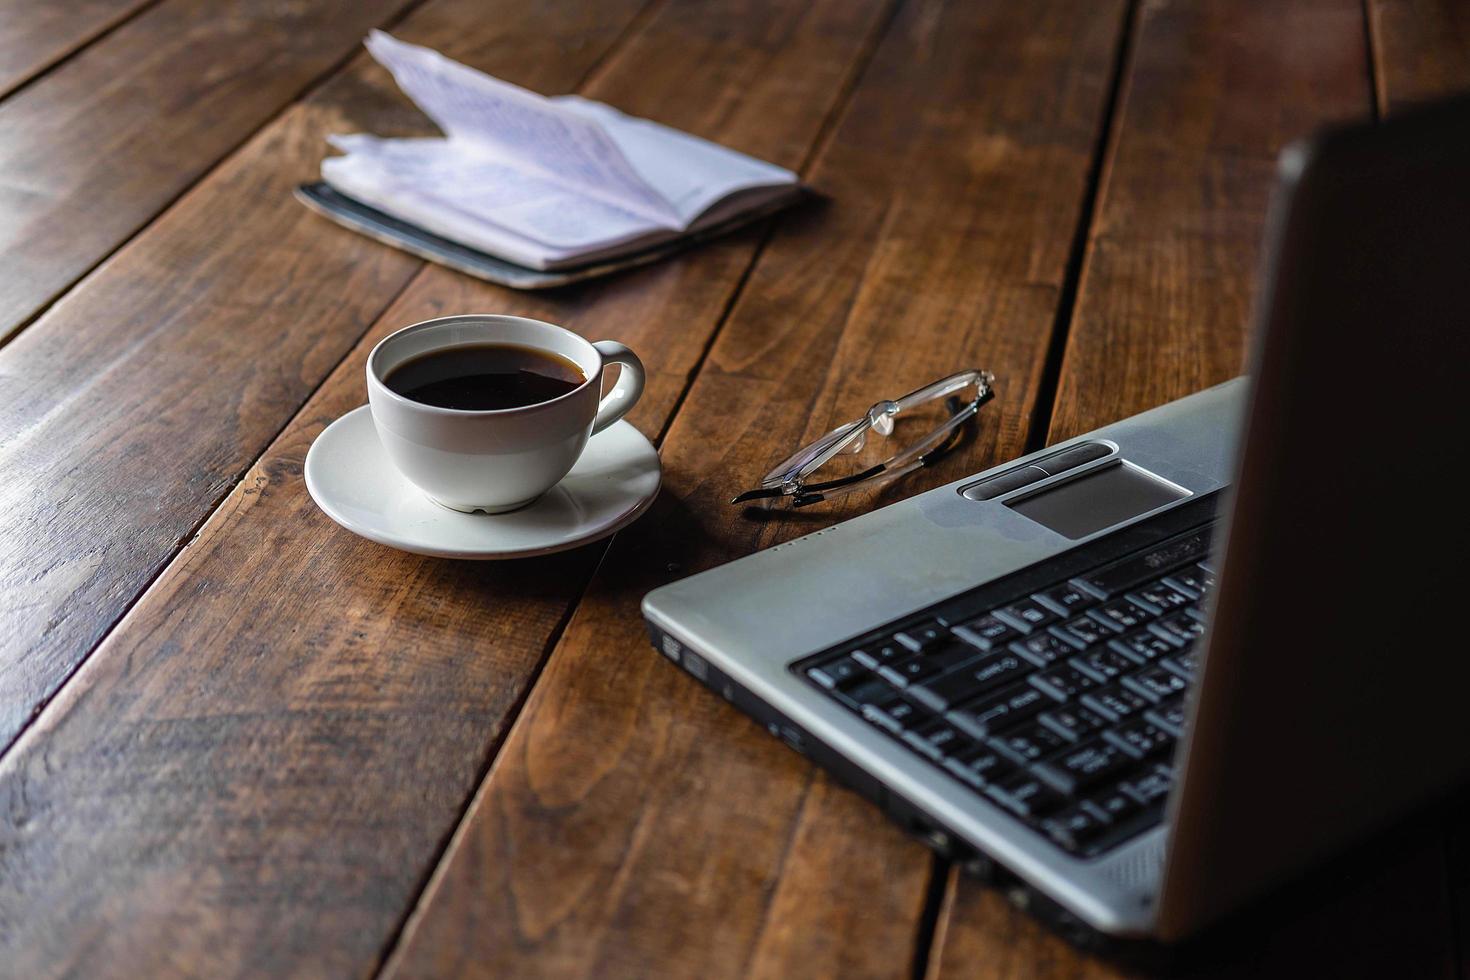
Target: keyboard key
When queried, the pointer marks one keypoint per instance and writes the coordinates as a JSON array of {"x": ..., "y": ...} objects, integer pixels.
[
  {"x": 980, "y": 767},
  {"x": 1150, "y": 787},
  {"x": 1044, "y": 649},
  {"x": 923, "y": 637},
  {"x": 1074, "y": 828},
  {"x": 1184, "y": 663},
  {"x": 1083, "y": 632},
  {"x": 1073, "y": 457},
  {"x": 876, "y": 655},
  {"x": 1157, "y": 683},
  {"x": 987, "y": 632},
  {"x": 1026, "y": 615},
  {"x": 1028, "y": 743},
  {"x": 1064, "y": 599},
  {"x": 1168, "y": 714},
  {"x": 897, "y": 715},
  {"x": 1027, "y": 797},
  {"x": 1000, "y": 710},
  {"x": 922, "y": 666},
  {"x": 1113, "y": 805},
  {"x": 1117, "y": 702},
  {"x": 837, "y": 673},
  {"x": 1187, "y": 581},
  {"x": 1120, "y": 576},
  {"x": 1163, "y": 597},
  {"x": 1063, "y": 706},
  {"x": 1143, "y": 645},
  {"x": 1064, "y": 683},
  {"x": 872, "y": 690},
  {"x": 1104, "y": 663},
  {"x": 1141, "y": 738},
  {"x": 909, "y": 671},
  {"x": 938, "y": 740},
  {"x": 971, "y": 680},
  {"x": 1084, "y": 766},
  {"x": 1074, "y": 724},
  {"x": 1180, "y": 627},
  {"x": 1122, "y": 614}
]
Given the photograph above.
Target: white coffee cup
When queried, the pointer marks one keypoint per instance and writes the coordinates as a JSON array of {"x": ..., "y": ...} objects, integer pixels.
[{"x": 496, "y": 460}]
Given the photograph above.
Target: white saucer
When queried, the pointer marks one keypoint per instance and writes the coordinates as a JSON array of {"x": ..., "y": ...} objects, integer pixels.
[{"x": 349, "y": 476}]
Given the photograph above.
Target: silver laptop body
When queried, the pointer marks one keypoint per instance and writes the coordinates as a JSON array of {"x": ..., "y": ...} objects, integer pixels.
[{"x": 1329, "y": 699}]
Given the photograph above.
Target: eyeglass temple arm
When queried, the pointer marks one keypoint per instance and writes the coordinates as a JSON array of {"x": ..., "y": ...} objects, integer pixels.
[
  {"x": 982, "y": 380},
  {"x": 804, "y": 460}
]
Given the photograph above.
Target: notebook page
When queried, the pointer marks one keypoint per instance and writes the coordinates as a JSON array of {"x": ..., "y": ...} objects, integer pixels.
[
  {"x": 485, "y": 191},
  {"x": 521, "y": 127},
  {"x": 691, "y": 173}
]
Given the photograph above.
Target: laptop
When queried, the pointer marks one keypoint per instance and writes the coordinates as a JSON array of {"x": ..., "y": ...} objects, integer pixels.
[{"x": 1150, "y": 674}]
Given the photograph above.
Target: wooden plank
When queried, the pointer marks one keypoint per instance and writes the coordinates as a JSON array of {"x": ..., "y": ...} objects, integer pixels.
[
  {"x": 849, "y": 892},
  {"x": 94, "y": 150},
  {"x": 34, "y": 36},
  {"x": 133, "y": 406},
  {"x": 633, "y": 824},
  {"x": 1214, "y": 89},
  {"x": 265, "y": 758},
  {"x": 1421, "y": 50}
]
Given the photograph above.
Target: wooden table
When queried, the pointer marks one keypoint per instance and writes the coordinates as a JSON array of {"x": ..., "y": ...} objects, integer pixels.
[{"x": 239, "y": 740}]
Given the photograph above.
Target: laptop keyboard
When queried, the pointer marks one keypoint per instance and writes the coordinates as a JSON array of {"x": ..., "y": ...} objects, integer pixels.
[{"x": 1061, "y": 705}]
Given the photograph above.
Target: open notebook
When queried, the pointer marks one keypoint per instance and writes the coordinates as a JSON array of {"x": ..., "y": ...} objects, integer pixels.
[{"x": 545, "y": 183}]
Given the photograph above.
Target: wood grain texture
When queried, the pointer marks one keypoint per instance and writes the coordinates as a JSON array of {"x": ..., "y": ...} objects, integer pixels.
[
  {"x": 635, "y": 825},
  {"x": 34, "y": 36},
  {"x": 847, "y": 898},
  {"x": 1212, "y": 92},
  {"x": 267, "y": 754},
  {"x": 130, "y": 410},
  {"x": 1421, "y": 50},
  {"x": 94, "y": 150}
]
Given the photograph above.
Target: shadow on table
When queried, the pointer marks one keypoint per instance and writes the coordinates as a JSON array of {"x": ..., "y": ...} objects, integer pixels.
[{"x": 1387, "y": 908}]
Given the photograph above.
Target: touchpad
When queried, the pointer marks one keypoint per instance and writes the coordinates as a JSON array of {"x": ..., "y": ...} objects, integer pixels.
[{"x": 1097, "y": 500}]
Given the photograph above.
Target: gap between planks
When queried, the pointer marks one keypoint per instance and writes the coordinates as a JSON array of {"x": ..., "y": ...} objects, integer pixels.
[
  {"x": 312, "y": 85},
  {"x": 486, "y": 767},
  {"x": 22, "y": 82},
  {"x": 185, "y": 540},
  {"x": 937, "y": 901},
  {"x": 929, "y": 936},
  {"x": 1103, "y": 151},
  {"x": 635, "y": 25},
  {"x": 1377, "y": 97},
  {"x": 825, "y": 132}
]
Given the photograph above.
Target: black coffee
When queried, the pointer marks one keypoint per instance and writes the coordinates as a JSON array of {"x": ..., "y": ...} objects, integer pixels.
[{"x": 480, "y": 377}]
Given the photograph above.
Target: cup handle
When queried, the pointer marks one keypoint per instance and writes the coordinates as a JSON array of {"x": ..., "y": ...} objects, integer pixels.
[{"x": 626, "y": 392}]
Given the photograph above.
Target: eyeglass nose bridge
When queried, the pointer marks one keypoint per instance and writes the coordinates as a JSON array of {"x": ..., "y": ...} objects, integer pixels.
[{"x": 880, "y": 417}]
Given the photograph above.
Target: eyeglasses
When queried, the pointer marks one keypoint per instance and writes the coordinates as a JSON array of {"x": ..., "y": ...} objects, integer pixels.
[{"x": 789, "y": 479}]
